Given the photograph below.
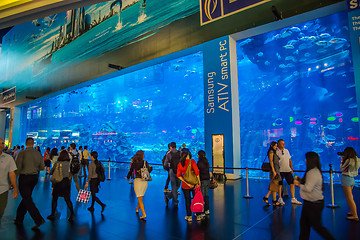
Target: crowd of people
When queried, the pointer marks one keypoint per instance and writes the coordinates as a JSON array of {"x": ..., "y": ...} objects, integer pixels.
[
  {"x": 27, "y": 162},
  {"x": 311, "y": 185}
]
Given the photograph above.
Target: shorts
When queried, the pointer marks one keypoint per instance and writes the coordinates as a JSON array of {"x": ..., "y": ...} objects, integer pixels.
[
  {"x": 288, "y": 176},
  {"x": 347, "y": 181}
]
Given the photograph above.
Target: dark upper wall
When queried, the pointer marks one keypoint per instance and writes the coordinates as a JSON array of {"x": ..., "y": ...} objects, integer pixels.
[{"x": 177, "y": 36}]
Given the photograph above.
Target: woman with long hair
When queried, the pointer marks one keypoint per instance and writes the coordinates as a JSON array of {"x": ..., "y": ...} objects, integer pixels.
[
  {"x": 274, "y": 173},
  {"x": 140, "y": 185},
  {"x": 187, "y": 187},
  {"x": 349, "y": 169},
  {"x": 54, "y": 155},
  {"x": 62, "y": 189},
  {"x": 311, "y": 191},
  {"x": 47, "y": 161},
  {"x": 203, "y": 165},
  {"x": 94, "y": 181}
]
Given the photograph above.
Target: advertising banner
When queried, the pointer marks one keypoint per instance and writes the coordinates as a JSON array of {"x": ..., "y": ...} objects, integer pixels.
[
  {"x": 217, "y": 95},
  {"x": 8, "y": 96},
  {"x": 211, "y": 10},
  {"x": 354, "y": 29}
]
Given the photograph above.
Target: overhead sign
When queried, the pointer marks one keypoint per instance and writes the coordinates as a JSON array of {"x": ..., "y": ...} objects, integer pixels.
[
  {"x": 211, "y": 10},
  {"x": 8, "y": 96}
]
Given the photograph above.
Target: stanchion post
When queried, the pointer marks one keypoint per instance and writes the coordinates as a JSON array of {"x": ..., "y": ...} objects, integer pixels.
[
  {"x": 332, "y": 205},
  {"x": 247, "y": 184},
  {"x": 109, "y": 178}
]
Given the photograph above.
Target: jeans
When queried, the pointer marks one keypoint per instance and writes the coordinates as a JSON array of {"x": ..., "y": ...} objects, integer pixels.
[
  {"x": 204, "y": 190},
  {"x": 311, "y": 217},
  {"x": 187, "y": 195},
  {"x": 175, "y": 185},
  {"x": 76, "y": 180},
  {"x": 27, "y": 184},
  {"x": 167, "y": 181}
]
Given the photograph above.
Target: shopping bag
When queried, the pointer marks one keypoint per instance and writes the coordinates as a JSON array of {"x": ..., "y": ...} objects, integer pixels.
[
  {"x": 83, "y": 196},
  {"x": 197, "y": 204}
]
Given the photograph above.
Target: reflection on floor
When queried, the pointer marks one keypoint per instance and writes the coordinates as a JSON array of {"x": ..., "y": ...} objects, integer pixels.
[{"x": 232, "y": 216}]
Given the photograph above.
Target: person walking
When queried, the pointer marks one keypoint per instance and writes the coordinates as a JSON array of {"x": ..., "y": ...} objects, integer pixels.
[
  {"x": 7, "y": 171},
  {"x": 75, "y": 162},
  {"x": 94, "y": 182},
  {"x": 47, "y": 161},
  {"x": 140, "y": 185},
  {"x": 274, "y": 174},
  {"x": 172, "y": 159},
  {"x": 62, "y": 189},
  {"x": 166, "y": 168},
  {"x": 85, "y": 155},
  {"x": 311, "y": 191},
  {"x": 54, "y": 155},
  {"x": 349, "y": 167},
  {"x": 286, "y": 171},
  {"x": 29, "y": 163},
  {"x": 187, "y": 187},
  {"x": 204, "y": 166}
]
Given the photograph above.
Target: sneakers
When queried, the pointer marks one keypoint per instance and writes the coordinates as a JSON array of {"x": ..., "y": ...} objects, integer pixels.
[
  {"x": 207, "y": 212},
  {"x": 281, "y": 201},
  {"x": 200, "y": 217},
  {"x": 295, "y": 201},
  {"x": 188, "y": 218}
]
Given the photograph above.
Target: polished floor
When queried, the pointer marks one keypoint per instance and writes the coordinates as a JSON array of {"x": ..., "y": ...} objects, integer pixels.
[{"x": 232, "y": 216}]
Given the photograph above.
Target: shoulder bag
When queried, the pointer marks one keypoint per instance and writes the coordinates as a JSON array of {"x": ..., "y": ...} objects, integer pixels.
[
  {"x": 145, "y": 175},
  {"x": 265, "y": 167},
  {"x": 190, "y": 176},
  {"x": 57, "y": 174}
]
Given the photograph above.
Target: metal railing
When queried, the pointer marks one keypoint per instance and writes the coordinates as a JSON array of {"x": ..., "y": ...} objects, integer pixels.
[{"x": 247, "y": 196}]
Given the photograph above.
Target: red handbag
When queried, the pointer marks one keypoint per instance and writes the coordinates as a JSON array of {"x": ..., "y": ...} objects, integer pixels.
[{"x": 197, "y": 204}]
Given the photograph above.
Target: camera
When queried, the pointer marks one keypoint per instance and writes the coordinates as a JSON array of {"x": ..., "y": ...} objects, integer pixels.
[{"x": 340, "y": 153}]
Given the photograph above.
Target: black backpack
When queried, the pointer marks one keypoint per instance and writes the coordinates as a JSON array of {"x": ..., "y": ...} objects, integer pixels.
[
  {"x": 166, "y": 167},
  {"x": 174, "y": 160},
  {"x": 75, "y": 163},
  {"x": 100, "y": 171}
]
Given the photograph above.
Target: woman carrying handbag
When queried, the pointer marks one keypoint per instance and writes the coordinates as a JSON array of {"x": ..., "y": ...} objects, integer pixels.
[
  {"x": 141, "y": 179},
  {"x": 188, "y": 173},
  {"x": 274, "y": 174},
  {"x": 61, "y": 188}
]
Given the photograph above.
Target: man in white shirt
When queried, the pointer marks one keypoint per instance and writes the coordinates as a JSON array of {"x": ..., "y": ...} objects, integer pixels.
[
  {"x": 7, "y": 171},
  {"x": 286, "y": 171}
]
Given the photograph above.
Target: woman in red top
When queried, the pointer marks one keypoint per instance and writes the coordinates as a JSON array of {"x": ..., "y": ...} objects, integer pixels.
[
  {"x": 47, "y": 161},
  {"x": 187, "y": 187}
]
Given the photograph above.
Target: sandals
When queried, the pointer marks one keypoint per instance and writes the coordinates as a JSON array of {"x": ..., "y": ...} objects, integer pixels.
[
  {"x": 276, "y": 203},
  {"x": 352, "y": 219},
  {"x": 265, "y": 200}
]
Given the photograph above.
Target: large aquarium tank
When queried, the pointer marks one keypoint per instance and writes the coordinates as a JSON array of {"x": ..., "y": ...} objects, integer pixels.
[
  {"x": 142, "y": 110},
  {"x": 297, "y": 84}
]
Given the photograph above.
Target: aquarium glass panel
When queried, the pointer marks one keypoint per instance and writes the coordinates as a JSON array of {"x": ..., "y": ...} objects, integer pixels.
[
  {"x": 297, "y": 83},
  {"x": 141, "y": 110}
]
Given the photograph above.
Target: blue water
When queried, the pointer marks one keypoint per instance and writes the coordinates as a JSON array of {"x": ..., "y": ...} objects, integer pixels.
[
  {"x": 297, "y": 84},
  {"x": 25, "y": 44},
  {"x": 142, "y": 110}
]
